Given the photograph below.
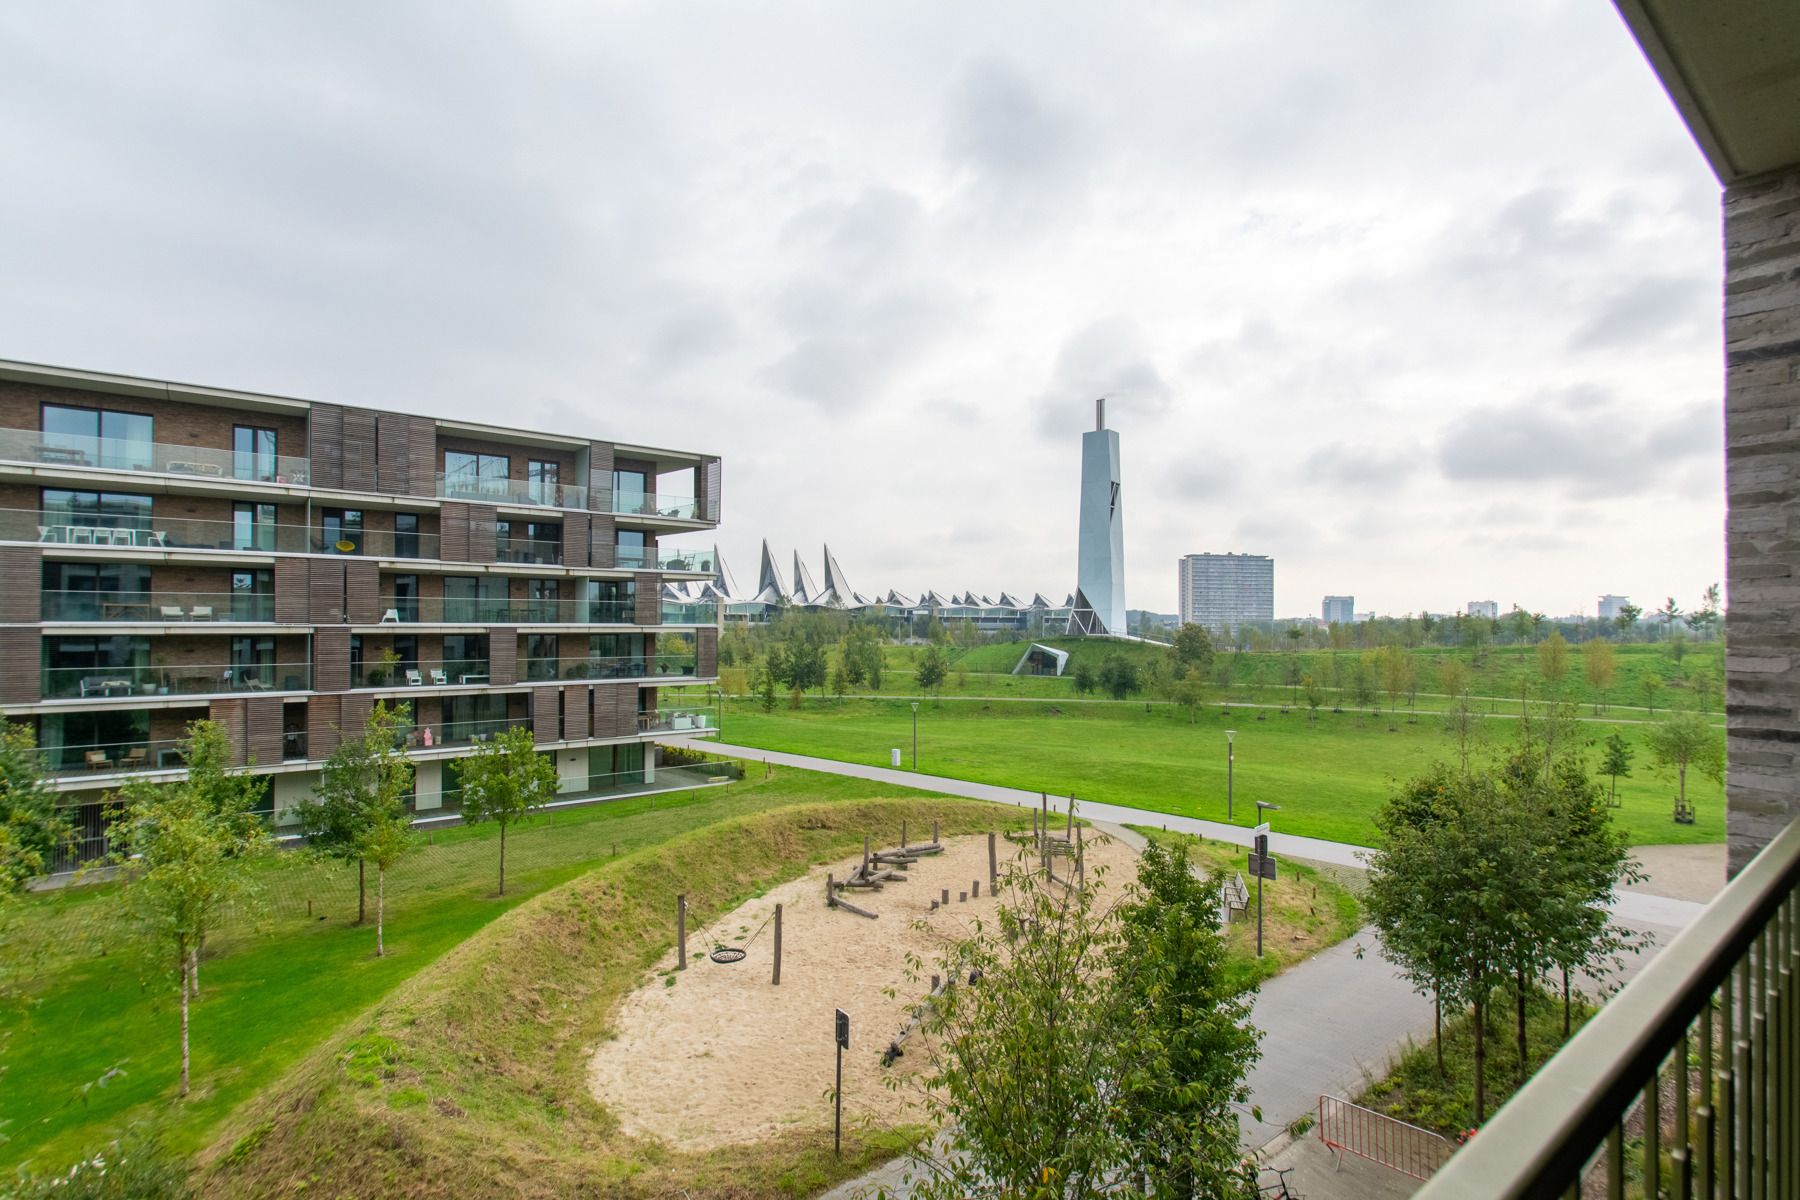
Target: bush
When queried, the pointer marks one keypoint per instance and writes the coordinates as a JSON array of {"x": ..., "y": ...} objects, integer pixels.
[{"x": 134, "y": 1168}]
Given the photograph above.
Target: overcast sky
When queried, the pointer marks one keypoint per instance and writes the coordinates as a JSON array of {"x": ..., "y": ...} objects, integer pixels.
[{"x": 1421, "y": 298}]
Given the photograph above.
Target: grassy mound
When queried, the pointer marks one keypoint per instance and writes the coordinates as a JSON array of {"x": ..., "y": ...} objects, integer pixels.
[{"x": 470, "y": 1079}]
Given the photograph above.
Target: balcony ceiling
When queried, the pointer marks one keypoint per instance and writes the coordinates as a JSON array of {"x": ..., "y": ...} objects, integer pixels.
[{"x": 1733, "y": 69}]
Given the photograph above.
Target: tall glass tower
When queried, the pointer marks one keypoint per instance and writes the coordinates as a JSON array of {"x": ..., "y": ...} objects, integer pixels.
[{"x": 1100, "y": 571}]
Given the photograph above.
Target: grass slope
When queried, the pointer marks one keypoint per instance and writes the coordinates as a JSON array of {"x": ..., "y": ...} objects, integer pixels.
[
  {"x": 1329, "y": 778},
  {"x": 470, "y": 1080},
  {"x": 278, "y": 982}
]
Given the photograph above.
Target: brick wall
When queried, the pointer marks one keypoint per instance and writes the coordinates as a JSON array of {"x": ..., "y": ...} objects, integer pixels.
[
  {"x": 1762, "y": 484},
  {"x": 177, "y": 422}
]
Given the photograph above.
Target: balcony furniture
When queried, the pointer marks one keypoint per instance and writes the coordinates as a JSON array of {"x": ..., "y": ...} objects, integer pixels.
[
  {"x": 120, "y": 610},
  {"x": 97, "y": 760},
  {"x": 136, "y": 757},
  {"x": 172, "y": 612},
  {"x": 682, "y": 721},
  {"x": 168, "y": 756},
  {"x": 414, "y": 679},
  {"x": 61, "y": 455},
  {"x": 256, "y": 685},
  {"x": 291, "y": 684},
  {"x": 474, "y": 679},
  {"x": 201, "y": 612},
  {"x": 194, "y": 468},
  {"x": 44, "y": 533},
  {"x": 391, "y": 617},
  {"x": 439, "y": 677},
  {"x": 95, "y": 686}
]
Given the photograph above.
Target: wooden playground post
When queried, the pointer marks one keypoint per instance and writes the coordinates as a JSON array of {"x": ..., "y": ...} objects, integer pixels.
[
  {"x": 903, "y": 833},
  {"x": 681, "y": 931},
  {"x": 1070, "y": 831},
  {"x": 865, "y": 869},
  {"x": 1080, "y": 860},
  {"x": 777, "y": 979},
  {"x": 935, "y": 839},
  {"x": 993, "y": 863}
]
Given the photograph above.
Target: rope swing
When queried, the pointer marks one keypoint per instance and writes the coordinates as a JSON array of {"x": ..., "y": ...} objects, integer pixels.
[{"x": 734, "y": 954}]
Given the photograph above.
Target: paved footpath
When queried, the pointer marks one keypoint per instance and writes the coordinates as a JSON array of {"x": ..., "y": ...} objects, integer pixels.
[{"x": 1325, "y": 1021}]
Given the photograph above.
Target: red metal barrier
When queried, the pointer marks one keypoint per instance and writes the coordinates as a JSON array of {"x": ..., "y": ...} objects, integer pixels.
[{"x": 1351, "y": 1128}]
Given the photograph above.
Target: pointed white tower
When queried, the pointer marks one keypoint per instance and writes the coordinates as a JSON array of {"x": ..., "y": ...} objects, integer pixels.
[{"x": 1100, "y": 569}]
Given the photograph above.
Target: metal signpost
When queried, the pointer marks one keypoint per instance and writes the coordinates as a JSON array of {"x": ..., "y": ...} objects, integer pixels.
[
  {"x": 915, "y": 705},
  {"x": 1262, "y": 865},
  {"x": 1230, "y": 760},
  {"x": 843, "y": 1044}
]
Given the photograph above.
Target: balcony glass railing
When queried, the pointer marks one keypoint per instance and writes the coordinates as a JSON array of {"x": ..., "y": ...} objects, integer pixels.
[
  {"x": 475, "y": 611},
  {"x": 157, "y": 607},
  {"x": 641, "y": 666},
  {"x": 676, "y": 721},
  {"x": 653, "y": 558},
  {"x": 457, "y": 733},
  {"x": 143, "y": 754},
  {"x": 653, "y": 504},
  {"x": 125, "y": 454},
  {"x": 689, "y": 614},
  {"x": 87, "y": 683},
  {"x": 188, "y": 533},
  {"x": 528, "y": 550},
  {"x": 534, "y": 492}
]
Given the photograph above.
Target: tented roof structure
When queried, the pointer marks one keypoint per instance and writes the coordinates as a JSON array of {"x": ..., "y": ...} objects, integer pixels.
[
  {"x": 769, "y": 589},
  {"x": 804, "y": 588}
]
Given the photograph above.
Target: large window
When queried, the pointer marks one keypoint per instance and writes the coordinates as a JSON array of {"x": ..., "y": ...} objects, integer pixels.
[
  {"x": 253, "y": 595},
  {"x": 252, "y": 663},
  {"x": 541, "y": 656},
  {"x": 253, "y": 453},
  {"x": 466, "y": 657},
  {"x": 341, "y": 530},
  {"x": 467, "y": 473},
  {"x": 406, "y": 535},
  {"x": 474, "y": 597},
  {"x": 616, "y": 655},
  {"x": 541, "y": 479},
  {"x": 630, "y": 550},
  {"x": 528, "y": 541},
  {"x": 253, "y": 527},
  {"x": 115, "y": 737},
  {"x": 611, "y": 600},
  {"x": 467, "y": 718},
  {"x": 542, "y": 596},
  {"x": 406, "y": 597},
  {"x": 65, "y": 511},
  {"x": 98, "y": 591},
  {"x": 94, "y": 666},
  {"x": 99, "y": 437},
  {"x": 630, "y": 492}
]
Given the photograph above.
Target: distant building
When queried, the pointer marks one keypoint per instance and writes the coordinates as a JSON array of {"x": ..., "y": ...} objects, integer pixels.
[
  {"x": 1612, "y": 606},
  {"x": 1223, "y": 590},
  {"x": 1485, "y": 608},
  {"x": 1340, "y": 610}
]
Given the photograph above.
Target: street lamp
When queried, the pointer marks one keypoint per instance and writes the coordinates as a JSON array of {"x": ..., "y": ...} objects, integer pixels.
[
  {"x": 1229, "y": 757},
  {"x": 915, "y": 705},
  {"x": 1262, "y": 850}
]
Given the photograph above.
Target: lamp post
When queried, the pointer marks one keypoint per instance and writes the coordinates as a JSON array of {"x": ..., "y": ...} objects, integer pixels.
[
  {"x": 915, "y": 705},
  {"x": 1262, "y": 849},
  {"x": 1229, "y": 759}
]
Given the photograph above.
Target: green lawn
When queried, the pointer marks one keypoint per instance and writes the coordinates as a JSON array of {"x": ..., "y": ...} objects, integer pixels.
[
  {"x": 1329, "y": 778},
  {"x": 88, "y": 1001}
]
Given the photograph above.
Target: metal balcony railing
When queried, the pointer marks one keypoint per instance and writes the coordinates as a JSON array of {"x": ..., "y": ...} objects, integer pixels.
[
  {"x": 126, "y": 454},
  {"x": 1710, "y": 1029},
  {"x": 89, "y": 683},
  {"x": 156, "y": 607},
  {"x": 536, "y": 493},
  {"x": 651, "y": 504}
]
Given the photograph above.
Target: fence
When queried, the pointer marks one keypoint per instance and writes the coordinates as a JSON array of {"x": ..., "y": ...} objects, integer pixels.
[{"x": 1352, "y": 1129}]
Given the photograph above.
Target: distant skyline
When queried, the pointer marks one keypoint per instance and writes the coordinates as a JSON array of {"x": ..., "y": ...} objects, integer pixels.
[{"x": 1419, "y": 299}]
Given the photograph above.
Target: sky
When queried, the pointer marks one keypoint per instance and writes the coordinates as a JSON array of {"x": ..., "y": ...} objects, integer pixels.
[{"x": 1422, "y": 299}]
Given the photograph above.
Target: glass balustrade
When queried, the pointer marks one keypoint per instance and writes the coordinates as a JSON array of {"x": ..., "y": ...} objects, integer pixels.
[
  {"x": 653, "y": 504},
  {"x": 157, "y": 607},
  {"x": 528, "y": 550},
  {"x": 676, "y": 721},
  {"x": 689, "y": 614},
  {"x": 431, "y": 735},
  {"x": 189, "y": 533},
  {"x": 639, "y": 666},
  {"x": 66, "y": 683},
  {"x": 465, "y": 610},
  {"x": 141, "y": 754},
  {"x": 537, "y": 493},
  {"x": 129, "y": 454}
]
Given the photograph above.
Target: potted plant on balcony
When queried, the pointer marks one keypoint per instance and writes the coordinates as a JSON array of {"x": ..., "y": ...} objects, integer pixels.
[{"x": 160, "y": 665}]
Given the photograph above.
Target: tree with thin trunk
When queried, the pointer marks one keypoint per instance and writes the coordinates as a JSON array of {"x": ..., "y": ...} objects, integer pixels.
[
  {"x": 1601, "y": 668},
  {"x": 1652, "y": 686},
  {"x": 505, "y": 781},
  {"x": 1615, "y": 760},
  {"x": 1686, "y": 741},
  {"x": 1553, "y": 660},
  {"x": 185, "y": 851},
  {"x": 363, "y": 782}
]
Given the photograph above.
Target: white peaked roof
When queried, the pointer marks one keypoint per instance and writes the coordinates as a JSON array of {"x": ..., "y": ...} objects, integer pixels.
[
  {"x": 897, "y": 599},
  {"x": 1007, "y": 601},
  {"x": 723, "y": 585},
  {"x": 805, "y": 590},
  {"x": 1038, "y": 601},
  {"x": 834, "y": 576},
  {"x": 769, "y": 589},
  {"x": 932, "y": 599}
]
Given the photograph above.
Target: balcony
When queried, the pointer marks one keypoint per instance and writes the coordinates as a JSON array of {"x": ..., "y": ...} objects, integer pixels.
[
  {"x": 457, "y": 733},
  {"x": 528, "y": 550},
  {"x": 157, "y": 607},
  {"x": 91, "y": 683},
  {"x": 466, "y": 610},
  {"x": 652, "y": 504},
  {"x": 650, "y": 558},
  {"x": 451, "y": 672},
  {"x": 638, "y": 666},
  {"x": 112, "y": 758},
  {"x": 677, "y": 721},
  {"x": 689, "y": 614},
  {"x": 1708, "y": 1028},
  {"x": 123, "y": 454},
  {"x": 187, "y": 533},
  {"x": 535, "y": 493}
]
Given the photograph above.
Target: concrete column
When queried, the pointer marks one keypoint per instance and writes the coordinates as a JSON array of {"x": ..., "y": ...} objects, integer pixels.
[
  {"x": 649, "y": 762},
  {"x": 428, "y": 785},
  {"x": 1762, "y": 485}
]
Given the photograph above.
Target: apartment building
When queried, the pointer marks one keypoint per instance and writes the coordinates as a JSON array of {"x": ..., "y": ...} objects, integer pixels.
[
  {"x": 1221, "y": 591},
  {"x": 1339, "y": 610},
  {"x": 171, "y": 553}
]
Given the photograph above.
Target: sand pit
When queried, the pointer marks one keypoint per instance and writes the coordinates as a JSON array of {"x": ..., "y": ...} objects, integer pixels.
[{"x": 723, "y": 1056}]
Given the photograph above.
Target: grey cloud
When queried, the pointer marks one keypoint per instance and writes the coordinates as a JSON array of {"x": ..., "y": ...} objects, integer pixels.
[
  {"x": 1106, "y": 358},
  {"x": 1360, "y": 466},
  {"x": 850, "y": 345},
  {"x": 1204, "y": 479},
  {"x": 1589, "y": 449},
  {"x": 1273, "y": 533},
  {"x": 1001, "y": 128},
  {"x": 1650, "y": 306}
]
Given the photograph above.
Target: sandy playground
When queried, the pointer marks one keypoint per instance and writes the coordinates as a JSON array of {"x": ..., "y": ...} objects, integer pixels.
[{"x": 723, "y": 1056}]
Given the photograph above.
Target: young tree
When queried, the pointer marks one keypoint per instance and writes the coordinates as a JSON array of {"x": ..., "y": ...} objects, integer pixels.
[
  {"x": 1393, "y": 662},
  {"x": 1615, "y": 760},
  {"x": 185, "y": 850},
  {"x": 505, "y": 781},
  {"x": 765, "y": 689},
  {"x": 933, "y": 669},
  {"x": 1670, "y": 612},
  {"x": 1553, "y": 660},
  {"x": 1315, "y": 696},
  {"x": 1705, "y": 619},
  {"x": 1652, "y": 686},
  {"x": 361, "y": 780},
  {"x": 1628, "y": 617},
  {"x": 1086, "y": 678},
  {"x": 1453, "y": 676},
  {"x": 1686, "y": 740},
  {"x": 1464, "y": 722},
  {"x": 1190, "y": 693},
  {"x": 1194, "y": 648},
  {"x": 1600, "y": 667},
  {"x": 1119, "y": 676},
  {"x": 32, "y": 828}
]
